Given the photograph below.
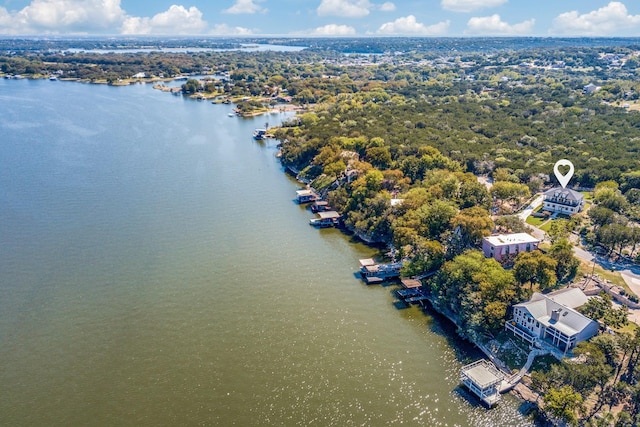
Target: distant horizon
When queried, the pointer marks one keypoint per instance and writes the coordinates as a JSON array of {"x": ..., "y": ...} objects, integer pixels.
[
  {"x": 289, "y": 37},
  {"x": 321, "y": 18}
]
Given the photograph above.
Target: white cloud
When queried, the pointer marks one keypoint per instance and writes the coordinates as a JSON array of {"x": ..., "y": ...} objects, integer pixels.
[
  {"x": 387, "y": 7},
  {"x": 175, "y": 20},
  {"x": 607, "y": 20},
  {"x": 225, "y": 30},
  {"x": 97, "y": 16},
  {"x": 494, "y": 25},
  {"x": 334, "y": 30},
  {"x": 244, "y": 6},
  {"x": 470, "y": 5},
  {"x": 345, "y": 8},
  {"x": 56, "y": 16},
  {"x": 409, "y": 26}
]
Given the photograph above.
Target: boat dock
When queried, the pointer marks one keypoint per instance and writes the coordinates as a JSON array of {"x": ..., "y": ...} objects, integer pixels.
[
  {"x": 306, "y": 196},
  {"x": 372, "y": 272},
  {"x": 320, "y": 206},
  {"x": 411, "y": 296},
  {"x": 483, "y": 379},
  {"x": 326, "y": 219}
]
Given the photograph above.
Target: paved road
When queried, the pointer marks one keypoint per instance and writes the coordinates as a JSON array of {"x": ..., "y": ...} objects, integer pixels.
[{"x": 630, "y": 272}]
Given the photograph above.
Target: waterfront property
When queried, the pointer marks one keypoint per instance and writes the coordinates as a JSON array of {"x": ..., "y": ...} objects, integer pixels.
[
  {"x": 563, "y": 200},
  {"x": 553, "y": 319},
  {"x": 259, "y": 134},
  {"x": 325, "y": 219},
  {"x": 483, "y": 379},
  {"x": 306, "y": 196},
  {"x": 372, "y": 272},
  {"x": 505, "y": 247}
]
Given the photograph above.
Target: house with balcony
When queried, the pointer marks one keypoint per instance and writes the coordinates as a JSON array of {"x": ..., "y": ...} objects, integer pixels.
[
  {"x": 505, "y": 247},
  {"x": 563, "y": 200},
  {"x": 553, "y": 319}
]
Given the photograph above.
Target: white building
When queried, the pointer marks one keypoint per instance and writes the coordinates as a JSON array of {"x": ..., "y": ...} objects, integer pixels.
[
  {"x": 553, "y": 319},
  {"x": 563, "y": 200},
  {"x": 505, "y": 247},
  {"x": 590, "y": 88}
]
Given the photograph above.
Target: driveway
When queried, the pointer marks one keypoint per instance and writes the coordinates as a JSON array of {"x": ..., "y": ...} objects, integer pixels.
[
  {"x": 532, "y": 206},
  {"x": 630, "y": 272}
]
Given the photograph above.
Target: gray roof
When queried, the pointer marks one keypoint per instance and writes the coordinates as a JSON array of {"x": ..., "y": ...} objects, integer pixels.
[
  {"x": 483, "y": 373},
  {"x": 569, "y": 321},
  {"x": 569, "y": 297},
  {"x": 563, "y": 193},
  {"x": 329, "y": 215}
]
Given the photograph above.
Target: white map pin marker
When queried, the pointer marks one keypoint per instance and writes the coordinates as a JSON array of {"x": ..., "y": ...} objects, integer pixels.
[{"x": 563, "y": 179}]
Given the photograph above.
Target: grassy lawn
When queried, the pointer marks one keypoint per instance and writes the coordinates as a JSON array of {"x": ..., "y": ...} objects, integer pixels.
[
  {"x": 536, "y": 222},
  {"x": 511, "y": 350},
  {"x": 588, "y": 195},
  {"x": 629, "y": 328},
  {"x": 545, "y": 227},
  {"x": 544, "y": 363}
]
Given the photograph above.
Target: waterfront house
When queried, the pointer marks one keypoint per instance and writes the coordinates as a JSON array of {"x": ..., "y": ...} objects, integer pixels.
[
  {"x": 563, "y": 200},
  {"x": 553, "y": 319},
  {"x": 505, "y": 247}
]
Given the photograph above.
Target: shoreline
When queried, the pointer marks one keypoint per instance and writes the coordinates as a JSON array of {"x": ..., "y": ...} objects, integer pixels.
[
  {"x": 158, "y": 84},
  {"x": 520, "y": 389}
]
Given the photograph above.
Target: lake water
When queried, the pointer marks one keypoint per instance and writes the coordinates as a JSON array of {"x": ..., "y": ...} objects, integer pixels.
[
  {"x": 243, "y": 47},
  {"x": 154, "y": 270}
]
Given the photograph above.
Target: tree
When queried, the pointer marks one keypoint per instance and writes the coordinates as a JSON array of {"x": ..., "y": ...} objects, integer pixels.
[
  {"x": 600, "y": 216},
  {"x": 473, "y": 193},
  {"x": 379, "y": 157},
  {"x": 601, "y": 308},
  {"x": 535, "y": 267},
  {"x": 435, "y": 217},
  {"x": 567, "y": 263},
  {"x": 563, "y": 403},
  {"x": 472, "y": 224},
  {"x": 510, "y": 191},
  {"x": 191, "y": 86},
  {"x": 614, "y": 235},
  {"x": 511, "y": 224},
  {"x": 559, "y": 229},
  {"x": 475, "y": 291},
  {"x": 426, "y": 256}
]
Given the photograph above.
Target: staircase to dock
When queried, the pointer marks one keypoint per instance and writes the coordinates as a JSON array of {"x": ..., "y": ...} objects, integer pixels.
[{"x": 509, "y": 383}]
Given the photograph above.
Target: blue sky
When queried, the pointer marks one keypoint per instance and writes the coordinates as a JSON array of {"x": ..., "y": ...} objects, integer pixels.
[{"x": 322, "y": 17}]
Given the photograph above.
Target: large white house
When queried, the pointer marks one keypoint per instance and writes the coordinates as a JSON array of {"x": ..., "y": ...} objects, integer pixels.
[
  {"x": 553, "y": 319},
  {"x": 563, "y": 200},
  {"x": 505, "y": 247}
]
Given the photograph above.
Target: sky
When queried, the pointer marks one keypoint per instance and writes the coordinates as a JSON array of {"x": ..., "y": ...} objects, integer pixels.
[{"x": 305, "y": 18}]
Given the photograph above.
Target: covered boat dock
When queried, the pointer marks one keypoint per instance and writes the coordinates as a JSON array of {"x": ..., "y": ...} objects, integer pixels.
[
  {"x": 326, "y": 219},
  {"x": 483, "y": 379}
]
